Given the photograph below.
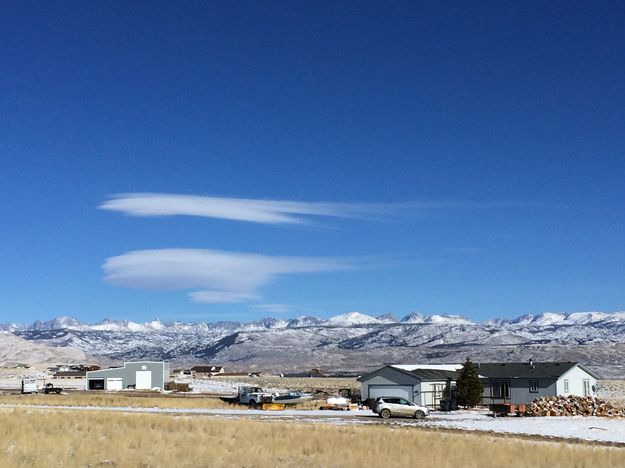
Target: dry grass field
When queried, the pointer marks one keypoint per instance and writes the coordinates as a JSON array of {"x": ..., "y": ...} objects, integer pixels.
[
  {"x": 137, "y": 400},
  {"x": 55, "y": 438}
]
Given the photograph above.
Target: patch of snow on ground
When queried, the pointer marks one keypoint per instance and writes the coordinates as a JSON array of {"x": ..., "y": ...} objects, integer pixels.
[{"x": 219, "y": 386}]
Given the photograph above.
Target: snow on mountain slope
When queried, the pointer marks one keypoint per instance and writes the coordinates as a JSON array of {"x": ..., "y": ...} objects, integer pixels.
[
  {"x": 15, "y": 350},
  {"x": 440, "y": 319},
  {"x": 386, "y": 318},
  {"x": 354, "y": 337},
  {"x": 352, "y": 318}
]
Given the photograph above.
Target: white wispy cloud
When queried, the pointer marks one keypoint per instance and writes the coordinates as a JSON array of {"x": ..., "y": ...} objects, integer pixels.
[
  {"x": 278, "y": 211},
  {"x": 242, "y": 209},
  {"x": 214, "y": 276},
  {"x": 275, "y": 308}
]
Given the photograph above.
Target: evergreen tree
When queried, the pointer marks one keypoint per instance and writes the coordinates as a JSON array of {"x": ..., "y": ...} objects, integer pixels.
[{"x": 468, "y": 386}]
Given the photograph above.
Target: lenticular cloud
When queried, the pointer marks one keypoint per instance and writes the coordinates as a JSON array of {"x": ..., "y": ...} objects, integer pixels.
[
  {"x": 213, "y": 276},
  {"x": 241, "y": 209}
]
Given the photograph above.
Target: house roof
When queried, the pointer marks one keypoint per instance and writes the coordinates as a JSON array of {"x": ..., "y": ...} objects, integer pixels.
[
  {"x": 70, "y": 374},
  {"x": 487, "y": 370},
  {"x": 435, "y": 374},
  {"x": 422, "y": 371},
  {"x": 413, "y": 367},
  {"x": 520, "y": 370},
  {"x": 206, "y": 368}
]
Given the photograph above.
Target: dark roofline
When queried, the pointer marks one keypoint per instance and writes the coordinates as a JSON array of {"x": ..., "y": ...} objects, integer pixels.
[
  {"x": 421, "y": 374},
  {"x": 556, "y": 369},
  {"x": 392, "y": 366},
  {"x": 565, "y": 367},
  {"x": 70, "y": 374},
  {"x": 587, "y": 370}
]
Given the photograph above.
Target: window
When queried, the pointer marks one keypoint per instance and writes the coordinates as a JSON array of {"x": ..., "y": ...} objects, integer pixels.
[
  {"x": 404, "y": 402},
  {"x": 533, "y": 386},
  {"x": 501, "y": 389},
  {"x": 586, "y": 387},
  {"x": 566, "y": 386}
]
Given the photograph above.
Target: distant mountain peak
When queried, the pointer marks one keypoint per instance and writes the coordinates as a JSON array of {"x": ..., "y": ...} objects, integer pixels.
[
  {"x": 416, "y": 317},
  {"x": 352, "y": 318}
]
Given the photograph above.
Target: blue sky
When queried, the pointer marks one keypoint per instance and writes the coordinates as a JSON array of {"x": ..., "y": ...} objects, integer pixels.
[{"x": 463, "y": 157}]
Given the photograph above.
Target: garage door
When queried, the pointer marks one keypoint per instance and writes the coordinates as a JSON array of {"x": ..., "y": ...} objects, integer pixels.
[
  {"x": 114, "y": 384},
  {"x": 144, "y": 379},
  {"x": 401, "y": 391}
]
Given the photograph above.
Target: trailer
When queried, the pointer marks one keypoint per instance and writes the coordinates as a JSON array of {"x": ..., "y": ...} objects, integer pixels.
[{"x": 29, "y": 386}]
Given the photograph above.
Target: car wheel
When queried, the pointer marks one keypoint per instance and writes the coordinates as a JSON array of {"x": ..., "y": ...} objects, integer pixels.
[
  {"x": 253, "y": 404},
  {"x": 385, "y": 413},
  {"x": 419, "y": 414}
]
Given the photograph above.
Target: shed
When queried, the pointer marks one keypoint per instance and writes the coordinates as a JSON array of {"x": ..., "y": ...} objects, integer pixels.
[{"x": 143, "y": 375}]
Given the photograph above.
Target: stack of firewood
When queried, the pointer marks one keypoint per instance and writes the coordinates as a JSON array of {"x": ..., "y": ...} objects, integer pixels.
[{"x": 573, "y": 406}]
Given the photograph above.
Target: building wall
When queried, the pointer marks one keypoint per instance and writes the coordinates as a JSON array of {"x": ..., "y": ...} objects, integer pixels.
[
  {"x": 576, "y": 377},
  {"x": 390, "y": 376},
  {"x": 160, "y": 373},
  {"x": 70, "y": 383},
  {"x": 519, "y": 390}
]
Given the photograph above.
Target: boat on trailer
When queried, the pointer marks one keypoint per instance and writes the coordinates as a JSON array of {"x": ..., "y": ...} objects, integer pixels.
[{"x": 292, "y": 398}]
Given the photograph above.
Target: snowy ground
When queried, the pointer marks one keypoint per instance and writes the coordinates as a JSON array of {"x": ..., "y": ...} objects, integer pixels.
[{"x": 572, "y": 428}]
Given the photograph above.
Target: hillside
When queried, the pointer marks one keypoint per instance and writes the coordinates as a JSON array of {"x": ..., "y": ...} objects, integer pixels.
[{"x": 349, "y": 342}]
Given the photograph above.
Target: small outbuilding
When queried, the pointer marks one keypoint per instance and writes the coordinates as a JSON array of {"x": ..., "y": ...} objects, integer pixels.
[{"x": 143, "y": 375}]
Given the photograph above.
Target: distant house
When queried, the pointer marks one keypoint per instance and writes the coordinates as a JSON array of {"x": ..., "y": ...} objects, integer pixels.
[
  {"x": 206, "y": 371},
  {"x": 85, "y": 367},
  {"x": 522, "y": 382},
  {"x": 70, "y": 375},
  {"x": 143, "y": 375},
  {"x": 517, "y": 382},
  {"x": 60, "y": 368}
]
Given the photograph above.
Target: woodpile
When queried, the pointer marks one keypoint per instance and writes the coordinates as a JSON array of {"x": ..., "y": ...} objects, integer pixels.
[
  {"x": 573, "y": 406},
  {"x": 177, "y": 387}
]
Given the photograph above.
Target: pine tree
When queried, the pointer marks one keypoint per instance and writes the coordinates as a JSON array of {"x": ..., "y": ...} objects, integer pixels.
[{"x": 468, "y": 386}]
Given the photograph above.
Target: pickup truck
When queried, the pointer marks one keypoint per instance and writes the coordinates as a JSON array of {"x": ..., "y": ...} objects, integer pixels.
[
  {"x": 50, "y": 388},
  {"x": 253, "y": 396}
]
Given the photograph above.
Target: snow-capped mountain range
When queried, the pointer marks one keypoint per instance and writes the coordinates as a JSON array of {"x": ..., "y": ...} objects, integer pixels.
[
  {"x": 352, "y": 341},
  {"x": 345, "y": 320}
]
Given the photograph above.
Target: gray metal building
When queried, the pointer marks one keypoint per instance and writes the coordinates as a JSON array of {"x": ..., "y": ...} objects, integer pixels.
[{"x": 143, "y": 375}]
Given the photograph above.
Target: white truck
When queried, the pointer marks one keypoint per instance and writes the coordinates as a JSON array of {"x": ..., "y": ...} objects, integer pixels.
[{"x": 253, "y": 396}]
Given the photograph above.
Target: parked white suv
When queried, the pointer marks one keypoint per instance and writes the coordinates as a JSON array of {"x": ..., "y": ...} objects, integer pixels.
[{"x": 387, "y": 407}]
